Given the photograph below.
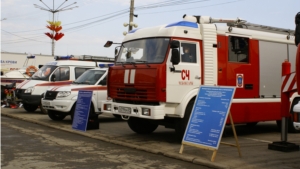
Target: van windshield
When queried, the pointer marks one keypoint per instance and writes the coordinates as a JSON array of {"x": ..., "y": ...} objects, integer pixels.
[
  {"x": 44, "y": 72},
  {"x": 152, "y": 50},
  {"x": 90, "y": 77}
]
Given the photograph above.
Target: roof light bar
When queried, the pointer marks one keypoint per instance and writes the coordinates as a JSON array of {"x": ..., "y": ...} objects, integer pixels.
[
  {"x": 30, "y": 57},
  {"x": 105, "y": 65}
]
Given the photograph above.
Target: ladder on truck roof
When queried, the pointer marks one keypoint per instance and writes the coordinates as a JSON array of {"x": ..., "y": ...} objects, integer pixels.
[{"x": 239, "y": 23}]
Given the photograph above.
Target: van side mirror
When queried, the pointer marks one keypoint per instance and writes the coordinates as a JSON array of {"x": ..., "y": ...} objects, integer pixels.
[
  {"x": 174, "y": 44},
  {"x": 175, "y": 59}
]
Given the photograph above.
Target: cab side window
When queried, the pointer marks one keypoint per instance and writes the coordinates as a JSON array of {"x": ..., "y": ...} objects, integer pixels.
[
  {"x": 238, "y": 50},
  {"x": 188, "y": 52}
]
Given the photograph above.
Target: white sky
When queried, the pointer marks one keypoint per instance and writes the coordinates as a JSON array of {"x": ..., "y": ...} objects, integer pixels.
[{"x": 87, "y": 28}]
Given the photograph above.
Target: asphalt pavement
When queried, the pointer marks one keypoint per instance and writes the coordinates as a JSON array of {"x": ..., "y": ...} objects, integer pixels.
[{"x": 253, "y": 142}]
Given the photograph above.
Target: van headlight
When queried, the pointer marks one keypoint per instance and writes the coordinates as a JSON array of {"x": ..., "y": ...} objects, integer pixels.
[
  {"x": 29, "y": 90},
  {"x": 63, "y": 94}
]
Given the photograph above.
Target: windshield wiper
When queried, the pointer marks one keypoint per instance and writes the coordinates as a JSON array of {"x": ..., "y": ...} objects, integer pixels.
[
  {"x": 81, "y": 83},
  {"x": 143, "y": 61},
  {"x": 122, "y": 63}
]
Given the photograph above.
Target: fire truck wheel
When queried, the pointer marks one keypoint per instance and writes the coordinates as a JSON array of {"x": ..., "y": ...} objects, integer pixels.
[
  {"x": 117, "y": 116},
  {"x": 182, "y": 123},
  {"x": 141, "y": 126},
  {"x": 30, "y": 108},
  {"x": 252, "y": 124},
  {"x": 56, "y": 116}
]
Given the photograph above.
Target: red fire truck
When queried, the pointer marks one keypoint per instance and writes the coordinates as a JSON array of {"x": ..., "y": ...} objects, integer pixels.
[{"x": 158, "y": 71}]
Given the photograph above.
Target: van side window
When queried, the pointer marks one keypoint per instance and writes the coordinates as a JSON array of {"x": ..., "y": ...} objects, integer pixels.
[
  {"x": 62, "y": 73},
  {"x": 238, "y": 49},
  {"x": 79, "y": 71},
  {"x": 188, "y": 52}
]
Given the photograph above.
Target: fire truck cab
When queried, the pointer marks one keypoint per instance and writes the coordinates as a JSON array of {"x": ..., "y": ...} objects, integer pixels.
[{"x": 158, "y": 71}]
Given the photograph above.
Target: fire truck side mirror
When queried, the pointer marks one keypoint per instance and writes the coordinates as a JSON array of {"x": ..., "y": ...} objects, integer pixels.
[
  {"x": 174, "y": 44},
  {"x": 175, "y": 57},
  {"x": 117, "y": 50}
]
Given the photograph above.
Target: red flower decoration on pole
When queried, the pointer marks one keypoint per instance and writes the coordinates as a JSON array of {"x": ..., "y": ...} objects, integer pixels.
[{"x": 55, "y": 28}]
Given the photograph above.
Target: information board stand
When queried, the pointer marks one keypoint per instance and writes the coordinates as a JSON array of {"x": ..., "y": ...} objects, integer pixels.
[
  {"x": 82, "y": 110},
  {"x": 208, "y": 118}
]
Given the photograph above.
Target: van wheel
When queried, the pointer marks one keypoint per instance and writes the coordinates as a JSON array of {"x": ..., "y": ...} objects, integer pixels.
[
  {"x": 72, "y": 113},
  {"x": 56, "y": 116},
  {"x": 44, "y": 111},
  {"x": 141, "y": 126},
  {"x": 182, "y": 123},
  {"x": 29, "y": 107}
]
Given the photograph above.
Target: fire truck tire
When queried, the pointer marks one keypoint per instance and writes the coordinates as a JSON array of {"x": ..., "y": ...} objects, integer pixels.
[
  {"x": 29, "y": 107},
  {"x": 252, "y": 124},
  {"x": 56, "y": 116},
  {"x": 141, "y": 126},
  {"x": 182, "y": 123},
  {"x": 117, "y": 116}
]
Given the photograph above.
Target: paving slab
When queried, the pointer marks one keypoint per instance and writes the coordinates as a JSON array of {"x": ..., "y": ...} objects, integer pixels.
[{"x": 253, "y": 142}]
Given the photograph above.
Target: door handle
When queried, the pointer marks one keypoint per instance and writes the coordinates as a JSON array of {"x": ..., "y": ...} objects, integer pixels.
[{"x": 197, "y": 77}]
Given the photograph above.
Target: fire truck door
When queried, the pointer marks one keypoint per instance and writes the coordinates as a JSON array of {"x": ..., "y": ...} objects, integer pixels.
[
  {"x": 187, "y": 75},
  {"x": 242, "y": 66}
]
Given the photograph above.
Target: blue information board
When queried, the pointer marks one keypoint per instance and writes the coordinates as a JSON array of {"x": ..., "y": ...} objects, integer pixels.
[
  {"x": 209, "y": 115},
  {"x": 82, "y": 110}
]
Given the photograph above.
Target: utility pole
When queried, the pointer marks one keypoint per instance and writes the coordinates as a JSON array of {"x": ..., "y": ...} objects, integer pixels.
[
  {"x": 131, "y": 15},
  {"x": 53, "y": 11}
]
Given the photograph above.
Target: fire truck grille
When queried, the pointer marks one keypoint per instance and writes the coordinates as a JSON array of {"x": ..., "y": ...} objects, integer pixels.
[
  {"x": 141, "y": 94},
  {"x": 50, "y": 95}
]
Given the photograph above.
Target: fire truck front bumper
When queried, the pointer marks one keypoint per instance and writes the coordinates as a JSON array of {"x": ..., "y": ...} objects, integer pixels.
[
  {"x": 141, "y": 111},
  {"x": 296, "y": 109},
  {"x": 58, "y": 105}
]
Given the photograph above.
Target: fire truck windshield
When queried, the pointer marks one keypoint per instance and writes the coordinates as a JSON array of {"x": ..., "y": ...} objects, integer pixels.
[
  {"x": 44, "y": 72},
  {"x": 151, "y": 50}
]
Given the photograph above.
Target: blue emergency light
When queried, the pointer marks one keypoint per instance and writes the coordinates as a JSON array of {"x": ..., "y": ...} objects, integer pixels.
[
  {"x": 105, "y": 65},
  {"x": 30, "y": 57},
  {"x": 63, "y": 57},
  {"x": 183, "y": 23}
]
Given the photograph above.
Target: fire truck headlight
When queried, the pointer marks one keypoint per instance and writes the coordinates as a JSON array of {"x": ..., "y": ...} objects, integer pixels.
[
  {"x": 63, "y": 94},
  {"x": 29, "y": 90},
  {"x": 146, "y": 111},
  {"x": 107, "y": 107}
]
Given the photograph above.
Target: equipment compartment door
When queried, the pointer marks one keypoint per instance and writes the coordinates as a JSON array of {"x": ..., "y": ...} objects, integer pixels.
[{"x": 242, "y": 67}]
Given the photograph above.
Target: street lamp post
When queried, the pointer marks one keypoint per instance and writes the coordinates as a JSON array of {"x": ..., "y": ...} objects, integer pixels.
[{"x": 53, "y": 11}]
